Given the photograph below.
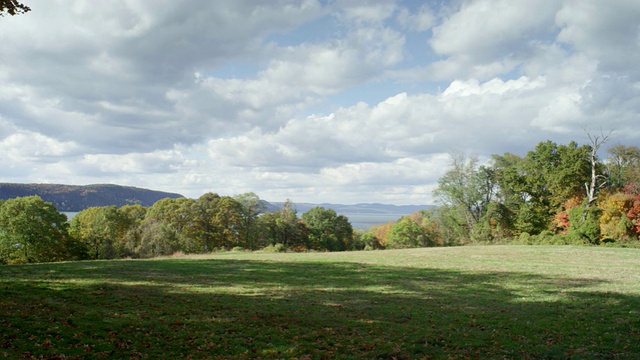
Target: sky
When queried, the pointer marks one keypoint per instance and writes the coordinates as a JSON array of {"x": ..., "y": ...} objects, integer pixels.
[{"x": 317, "y": 101}]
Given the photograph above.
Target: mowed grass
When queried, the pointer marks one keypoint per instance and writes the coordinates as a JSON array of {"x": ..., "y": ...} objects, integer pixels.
[{"x": 513, "y": 302}]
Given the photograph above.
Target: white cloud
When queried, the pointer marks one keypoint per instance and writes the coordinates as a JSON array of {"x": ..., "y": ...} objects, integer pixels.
[
  {"x": 608, "y": 32},
  {"x": 310, "y": 100},
  {"x": 420, "y": 21},
  {"x": 490, "y": 37},
  {"x": 27, "y": 146},
  {"x": 366, "y": 12}
]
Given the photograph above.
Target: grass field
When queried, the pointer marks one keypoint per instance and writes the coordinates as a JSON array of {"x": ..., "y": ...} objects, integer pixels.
[{"x": 514, "y": 302}]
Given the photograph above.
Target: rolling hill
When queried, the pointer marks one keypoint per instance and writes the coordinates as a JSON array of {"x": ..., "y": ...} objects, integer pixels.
[{"x": 77, "y": 198}]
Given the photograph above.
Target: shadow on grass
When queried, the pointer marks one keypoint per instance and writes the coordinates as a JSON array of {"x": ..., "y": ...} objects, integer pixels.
[{"x": 243, "y": 309}]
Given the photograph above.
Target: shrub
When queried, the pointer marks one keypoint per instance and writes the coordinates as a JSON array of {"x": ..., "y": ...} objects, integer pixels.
[
  {"x": 274, "y": 248},
  {"x": 523, "y": 239}
]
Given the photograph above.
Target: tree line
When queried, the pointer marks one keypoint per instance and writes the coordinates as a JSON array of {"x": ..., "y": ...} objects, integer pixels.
[
  {"x": 32, "y": 230},
  {"x": 557, "y": 194}
]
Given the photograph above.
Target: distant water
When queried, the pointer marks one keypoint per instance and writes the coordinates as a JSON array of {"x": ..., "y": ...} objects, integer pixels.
[
  {"x": 365, "y": 221},
  {"x": 70, "y": 214}
]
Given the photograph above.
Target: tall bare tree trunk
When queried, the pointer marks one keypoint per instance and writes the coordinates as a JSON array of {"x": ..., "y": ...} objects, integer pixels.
[{"x": 598, "y": 181}]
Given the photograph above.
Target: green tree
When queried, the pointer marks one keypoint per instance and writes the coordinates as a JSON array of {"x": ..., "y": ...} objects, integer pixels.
[
  {"x": 251, "y": 209},
  {"x": 623, "y": 166},
  {"x": 176, "y": 218},
  {"x": 465, "y": 191},
  {"x": 101, "y": 228},
  {"x": 284, "y": 227},
  {"x": 205, "y": 232},
  {"x": 584, "y": 224},
  {"x": 328, "y": 230},
  {"x": 134, "y": 216},
  {"x": 555, "y": 173},
  {"x": 228, "y": 222},
  {"x": 532, "y": 189},
  {"x": 406, "y": 233},
  {"x": 32, "y": 230},
  {"x": 369, "y": 240},
  {"x": 158, "y": 238}
]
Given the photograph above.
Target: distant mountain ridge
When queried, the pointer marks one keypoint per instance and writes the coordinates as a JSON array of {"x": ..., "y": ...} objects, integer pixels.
[
  {"x": 363, "y": 208},
  {"x": 361, "y": 216},
  {"x": 79, "y": 197}
]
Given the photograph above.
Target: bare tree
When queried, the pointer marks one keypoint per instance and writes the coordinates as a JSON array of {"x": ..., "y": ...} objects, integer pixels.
[{"x": 598, "y": 181}]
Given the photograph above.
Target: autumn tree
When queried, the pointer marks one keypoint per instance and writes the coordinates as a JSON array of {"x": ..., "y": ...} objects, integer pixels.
[
  {"x": 376, "y": 236},
  {"x": 634, "y": 213},
  {"x": 614, "y": 222}
]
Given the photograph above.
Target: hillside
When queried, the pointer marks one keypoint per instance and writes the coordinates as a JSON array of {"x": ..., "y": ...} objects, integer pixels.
[{"x": 78, "y": 198}]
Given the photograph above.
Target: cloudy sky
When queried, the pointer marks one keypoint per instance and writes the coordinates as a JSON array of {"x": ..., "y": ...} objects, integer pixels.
[{"x": 312, "y": 100}]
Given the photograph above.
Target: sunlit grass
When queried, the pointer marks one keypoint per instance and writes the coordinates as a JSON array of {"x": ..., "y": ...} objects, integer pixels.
[{"x": 485, "y": 301}]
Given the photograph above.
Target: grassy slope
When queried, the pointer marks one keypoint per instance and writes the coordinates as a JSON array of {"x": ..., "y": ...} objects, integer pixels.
[{"x": 488, "y": 302}]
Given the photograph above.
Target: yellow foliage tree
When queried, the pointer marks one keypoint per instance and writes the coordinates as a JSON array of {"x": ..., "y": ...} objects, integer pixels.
[{"x": 614, "y": 223}]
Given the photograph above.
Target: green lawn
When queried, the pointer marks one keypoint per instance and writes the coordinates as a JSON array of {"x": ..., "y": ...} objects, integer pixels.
[{"x": 483, "y": 302}]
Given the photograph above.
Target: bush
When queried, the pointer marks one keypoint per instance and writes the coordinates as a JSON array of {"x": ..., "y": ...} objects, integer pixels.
[
  {"x": 622, "y": 244},
  {"x": 524, "y": 238},
  {"x": 274, "y": 248},
  {"x": 237, "y": 249}
]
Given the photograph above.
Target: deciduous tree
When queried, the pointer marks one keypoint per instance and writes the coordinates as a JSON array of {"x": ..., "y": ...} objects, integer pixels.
[
  {"x": 614, "y": 222},
  {"x": 328, "y": 230},
  {"x": 534, "y": 188},
  {"x": 623, "y": 166},
  {"x": 176, "y": 216},
  {"x": 251, "y": 208},
  {"x": 466, "y": 190},
  {"x": 32, "y": 230},
  {"x": 406, "y": 233},
  {"x": 101, "y": 228}
]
